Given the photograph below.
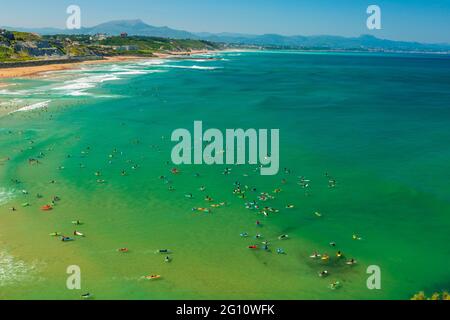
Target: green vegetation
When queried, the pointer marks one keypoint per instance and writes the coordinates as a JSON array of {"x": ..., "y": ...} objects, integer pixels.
[
  {"x": 22, "y": 46},
  {"x": 25, "y": 36},
  {"x": 148, "y": 45}
]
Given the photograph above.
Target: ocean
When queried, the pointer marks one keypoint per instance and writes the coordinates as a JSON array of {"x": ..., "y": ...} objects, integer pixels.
[{"x": 364, "y": 163}]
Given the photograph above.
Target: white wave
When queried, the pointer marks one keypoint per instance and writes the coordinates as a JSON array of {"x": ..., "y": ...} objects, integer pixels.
[
  {"x": 78, "y": 93},
  {"x": 77, "y": 87},
  {"x": 205, "y": 68},
  {"x": 195, "y": 67},
  {"x": 198, "y": 60},
  {"x": 152, "y": 62},
  {"x": 6, "y": 196},
  {"x": 7, "y": 92},
  {"x": 131, "y": 72},
  {"x": 13, "y": 270},
  {"x": 34, "y": 106}
]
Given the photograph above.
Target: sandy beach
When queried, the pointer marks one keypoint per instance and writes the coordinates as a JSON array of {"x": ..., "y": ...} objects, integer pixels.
[
  {"x": 36, "y": 70},
  {"x": 30, "y": 71}
]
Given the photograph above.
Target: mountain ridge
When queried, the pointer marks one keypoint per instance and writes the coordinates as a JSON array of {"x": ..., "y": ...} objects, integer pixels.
[{"x": 139, "y": 28}]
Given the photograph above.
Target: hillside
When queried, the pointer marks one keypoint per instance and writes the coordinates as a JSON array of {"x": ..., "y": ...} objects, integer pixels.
[{"x": 22, "y": 46}]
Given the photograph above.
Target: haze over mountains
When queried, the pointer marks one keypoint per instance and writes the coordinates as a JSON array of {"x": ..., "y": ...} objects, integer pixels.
[{"x": 140, "y": 28}]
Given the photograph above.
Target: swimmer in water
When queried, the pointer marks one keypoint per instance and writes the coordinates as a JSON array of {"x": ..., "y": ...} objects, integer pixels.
[
  {"x": 323, "y": 273},
  {"x": 356, "y": 237},
  {"x": 335, "y": 285}
]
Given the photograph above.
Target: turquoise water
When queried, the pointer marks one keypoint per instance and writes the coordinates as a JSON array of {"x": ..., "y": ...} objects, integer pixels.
[{"x": 378, "y": 124}]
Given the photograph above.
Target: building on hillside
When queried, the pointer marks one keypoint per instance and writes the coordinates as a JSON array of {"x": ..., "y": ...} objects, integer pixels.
[
  {"x": 98, "y": 37},
  {"x": 124, "y": 35}
]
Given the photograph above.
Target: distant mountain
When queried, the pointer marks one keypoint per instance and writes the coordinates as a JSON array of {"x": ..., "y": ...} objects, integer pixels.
[
  {"x": 132, "y": 27},
  {"x": 137, "y": 28},
  {"x": 140, "y": 28},
  {"x": 364, "y": 42}
]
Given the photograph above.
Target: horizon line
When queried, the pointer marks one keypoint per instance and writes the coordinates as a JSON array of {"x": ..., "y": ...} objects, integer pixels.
[{"x": 233, "y": 33}]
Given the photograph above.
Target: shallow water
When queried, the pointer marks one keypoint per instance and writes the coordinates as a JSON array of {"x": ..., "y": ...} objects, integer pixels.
[{"x": 376, "y": 123}]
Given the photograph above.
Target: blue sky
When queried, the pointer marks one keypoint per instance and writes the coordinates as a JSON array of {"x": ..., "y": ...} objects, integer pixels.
[{"x": 417, "y": 20}]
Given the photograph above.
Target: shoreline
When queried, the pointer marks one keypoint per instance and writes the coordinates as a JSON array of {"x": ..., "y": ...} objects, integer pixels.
[{"x": 33, "y": 71}]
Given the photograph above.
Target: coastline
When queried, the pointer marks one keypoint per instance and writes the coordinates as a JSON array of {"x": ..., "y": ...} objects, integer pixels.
[
  {"x": 33, "y": 71},
  {"x": 27, "y": 230}
]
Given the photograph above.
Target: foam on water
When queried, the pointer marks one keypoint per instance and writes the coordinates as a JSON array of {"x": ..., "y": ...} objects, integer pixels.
[
  {"x": 131, "y": 72},
  {"x": 5, "y": 196},
  {"x": 13, "y": 270},
  {"x": 77, "y": 87},
  {"x": 152, "y": 62},
  {"x": 7, "y": 92},
  {"x": 79, "y": 82},
  {"x": 34, "y": 106},
  {"x": 195, "y": 67}
]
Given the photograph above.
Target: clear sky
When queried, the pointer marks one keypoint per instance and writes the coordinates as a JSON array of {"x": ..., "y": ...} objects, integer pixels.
[{"x": 415, "y": 20}]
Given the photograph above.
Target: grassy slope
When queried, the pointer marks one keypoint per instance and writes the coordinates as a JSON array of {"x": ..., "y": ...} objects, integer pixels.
[{"x": 82, "y": 45}]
